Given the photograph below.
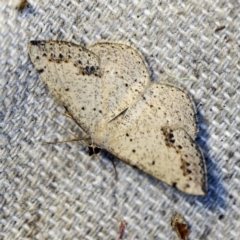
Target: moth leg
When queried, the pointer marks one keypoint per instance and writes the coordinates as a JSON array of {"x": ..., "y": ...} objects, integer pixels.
[
  {"x": 115, "y": 170},
  {"x": 95, "y": 151},
  {"x": 114, "y": 166}
]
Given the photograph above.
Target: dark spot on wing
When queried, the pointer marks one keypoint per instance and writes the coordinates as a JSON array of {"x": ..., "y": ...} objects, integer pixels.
[
  {"x": 169, "y": 137},
  {"x": 40, "y": 70}
]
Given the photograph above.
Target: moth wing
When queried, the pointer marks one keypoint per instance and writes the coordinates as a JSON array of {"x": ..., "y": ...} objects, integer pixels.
[
  {"x": 125, "y": 77},
  {"x": 162, "y": 105},
  {"x": 73, "y": 75},
  {"x": 151, "y": 137}
]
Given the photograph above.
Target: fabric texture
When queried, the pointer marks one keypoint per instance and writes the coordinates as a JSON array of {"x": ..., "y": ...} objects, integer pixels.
[{"x": 56, "y": 191}]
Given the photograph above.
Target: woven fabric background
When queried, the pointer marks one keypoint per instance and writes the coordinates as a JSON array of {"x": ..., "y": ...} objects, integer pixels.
[{"x": 58, "y": 191}]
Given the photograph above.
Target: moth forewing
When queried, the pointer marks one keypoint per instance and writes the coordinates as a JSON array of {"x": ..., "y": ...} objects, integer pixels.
[{"x": 73, "y": 75}]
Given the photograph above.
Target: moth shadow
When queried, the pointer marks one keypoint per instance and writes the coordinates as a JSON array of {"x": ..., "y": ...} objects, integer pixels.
[{"x": 216, "y": 193}]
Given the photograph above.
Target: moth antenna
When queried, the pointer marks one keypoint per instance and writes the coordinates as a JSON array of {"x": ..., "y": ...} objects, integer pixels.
[
  {"x": 69, "y": 115},
  {"x": 174, "y": 77},
  {"x": 75, "y": 139},
  {"x": 64, "y": 128},
  {"x": 64, "y": 141}
]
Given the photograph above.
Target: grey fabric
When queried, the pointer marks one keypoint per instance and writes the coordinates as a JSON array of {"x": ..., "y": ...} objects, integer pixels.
[{"x": 58, "y": 191}]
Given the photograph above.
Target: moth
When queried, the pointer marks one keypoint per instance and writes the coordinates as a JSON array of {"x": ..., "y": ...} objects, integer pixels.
[{"x": 107, "y": 89}]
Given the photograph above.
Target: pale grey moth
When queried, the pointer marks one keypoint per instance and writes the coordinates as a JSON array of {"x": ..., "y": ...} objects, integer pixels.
[{"x": 107, "y": 90}]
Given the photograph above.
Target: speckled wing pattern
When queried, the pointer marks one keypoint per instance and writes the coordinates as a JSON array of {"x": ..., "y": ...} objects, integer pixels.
[
  {"x": 125, "y": 78},
  {"x": 108, "y": 91},
  {"x": 73, "y": 74},
  {"x": 156, "y": 135}
]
